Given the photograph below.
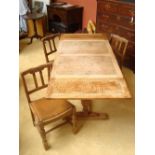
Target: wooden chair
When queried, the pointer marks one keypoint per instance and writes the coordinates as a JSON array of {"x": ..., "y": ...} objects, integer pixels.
[
  {"x": 43, "y": 110},
  {"x": 91, "y": 28},
  {"x": 119, "y": 45},
  {"x": 49, "y": 46}
]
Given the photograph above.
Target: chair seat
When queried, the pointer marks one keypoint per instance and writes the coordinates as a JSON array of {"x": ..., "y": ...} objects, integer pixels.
[{"x": 45, "y": 109}]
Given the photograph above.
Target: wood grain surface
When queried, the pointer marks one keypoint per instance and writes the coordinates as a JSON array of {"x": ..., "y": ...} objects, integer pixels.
[{"x": 86, "y": 69}]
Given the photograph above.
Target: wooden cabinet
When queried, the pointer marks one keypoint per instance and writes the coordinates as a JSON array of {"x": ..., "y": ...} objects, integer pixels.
[
  {"x": 117, "y": 16},
  {"x": 61, "y": 19}
]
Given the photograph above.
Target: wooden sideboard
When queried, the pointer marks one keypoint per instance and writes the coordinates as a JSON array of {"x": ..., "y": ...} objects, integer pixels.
[
  {"x": 118, "y": 17},
  {"x": 64, "y": 19}
]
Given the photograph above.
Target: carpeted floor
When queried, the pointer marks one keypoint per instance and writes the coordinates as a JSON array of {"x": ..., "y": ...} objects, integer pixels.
[{"x": 111, "y": 137}]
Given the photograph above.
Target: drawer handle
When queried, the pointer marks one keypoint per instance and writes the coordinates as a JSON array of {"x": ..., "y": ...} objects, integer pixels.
[
  {"x": 105, "y": 16},
  {"x": 118, "y": 18},
  {"x": 132, "y": 16},
  {"x": 107, "y": 6},
  {"x": 132, "y": 19}
]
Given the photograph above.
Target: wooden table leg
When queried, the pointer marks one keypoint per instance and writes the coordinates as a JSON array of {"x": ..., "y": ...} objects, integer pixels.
[
  {"x": 31, "y": 39},
  {"x": 87, "y": 112},
  {"x": 35, "y": 32}
]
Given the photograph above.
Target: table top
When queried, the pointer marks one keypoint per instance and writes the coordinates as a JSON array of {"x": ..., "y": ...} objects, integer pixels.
[
  {"x": 34, "y": 16},
  {"x": 83, "y": 36},
  {"x": 86, "y": 68}
]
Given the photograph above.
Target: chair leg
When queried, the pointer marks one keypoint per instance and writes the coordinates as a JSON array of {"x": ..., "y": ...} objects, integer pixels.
[
  {"x": 121, "y": 63},
  {"x": 33, "y": 118},
  {"x": 43, "y": 136},
  {"x": 31, "y": 39},
  {"x": 74, "y": 120},
  {"x": 54, "y": 46}
]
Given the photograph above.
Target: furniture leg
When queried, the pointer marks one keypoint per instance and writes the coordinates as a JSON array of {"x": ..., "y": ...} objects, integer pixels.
[
  {"x": 31, "y": 39},
  {"x": 33, "y": 118},
  {"x": 35, "y": 28},
  {"x": 74, "y": 120},
  {"x": 87, "y": 106},
  {"x": 54, "y": 45},
  {"x": 87, "y": 112},
  {"x": 43, "y": 136}
]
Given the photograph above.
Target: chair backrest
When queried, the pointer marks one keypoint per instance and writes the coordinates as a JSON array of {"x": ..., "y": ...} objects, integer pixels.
[
  {"x": 49, "y": 46},
  {"x": 119, "y": 45},
  {"x": 91, "y": 28},
  {"x": 40, "y": 79}
]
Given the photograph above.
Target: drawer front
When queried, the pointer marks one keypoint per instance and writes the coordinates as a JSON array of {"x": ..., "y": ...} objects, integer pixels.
[
  {"x": 115, "y": 8},
  {"x": 107, "y": 28},
  {"x": 117, "y": 29},
  {"x": 126, "y": 10},
  {"x": 130, "y": 35},
  {"x": 131, "y": 49},
  {"x": 102, "y": 27},
  {"x": 107, "y": 7},
  {"x": 117, "y": 19}
]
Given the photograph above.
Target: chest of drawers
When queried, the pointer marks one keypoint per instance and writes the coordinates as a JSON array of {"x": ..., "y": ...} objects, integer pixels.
[{"x": 115, "y": 16}]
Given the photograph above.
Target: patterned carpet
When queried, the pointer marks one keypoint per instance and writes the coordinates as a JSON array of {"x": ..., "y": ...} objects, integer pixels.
[{"x": 111, "y": 137}]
